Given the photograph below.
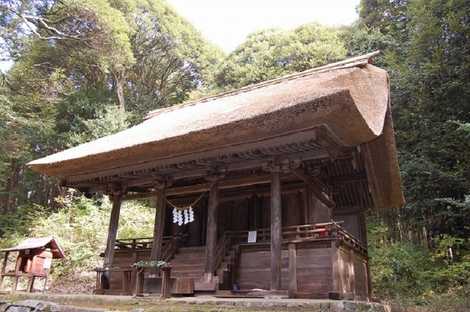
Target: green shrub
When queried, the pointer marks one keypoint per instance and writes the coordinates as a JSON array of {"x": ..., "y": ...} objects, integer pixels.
[
  {"x": 80, "y": 227},
  {"x": 409, "y": 274}
]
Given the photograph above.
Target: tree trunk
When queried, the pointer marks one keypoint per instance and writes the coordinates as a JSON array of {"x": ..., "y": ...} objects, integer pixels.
[
  {"x": 119, "y": 88},
  {"x": 10, "y": 196}
]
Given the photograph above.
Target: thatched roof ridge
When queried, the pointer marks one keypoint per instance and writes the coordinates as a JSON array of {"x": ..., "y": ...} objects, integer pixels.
[{"x": 350, "y": 62}]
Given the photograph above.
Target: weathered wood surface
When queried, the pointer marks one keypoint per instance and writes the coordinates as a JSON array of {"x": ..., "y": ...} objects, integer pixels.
[
  {"x": 254, "y": 268},
  {"x": 336, "y": 286},
  {"x": 317, "y": 187},
  {"x": 166, "y": 283},
  {"x": 4, "y": 266},
  {"x": 183, "y": 286},
  {"x": 160, "y": 224},
  {"x": 293, "y": 286},
  {"x": 112, "y": 229},
  {"x": 211, "y": 231},
  {"x": 314, "y": 270},
  {"x": 276, "y": 230}
]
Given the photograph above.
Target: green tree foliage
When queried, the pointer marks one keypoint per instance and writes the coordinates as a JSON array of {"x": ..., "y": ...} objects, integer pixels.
[
  {"x": 425, "y": 49},
  {"x": 80, "y": 226},
  {"x": 424, "y": 248},
  {"x": 77, "y": 60},
  {"x": 410, "y": 274},
  {"x": 271, "y": 53}
]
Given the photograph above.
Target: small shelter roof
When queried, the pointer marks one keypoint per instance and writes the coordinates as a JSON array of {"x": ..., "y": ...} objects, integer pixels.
[{"x": 39, "y": 242}]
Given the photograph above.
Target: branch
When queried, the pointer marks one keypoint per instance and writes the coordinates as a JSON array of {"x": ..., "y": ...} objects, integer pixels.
[{"x": 41, "y": 22}]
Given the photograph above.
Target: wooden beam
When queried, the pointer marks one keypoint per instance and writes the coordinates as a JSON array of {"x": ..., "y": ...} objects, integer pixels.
[
  {"x": 211, "y": 231},
  {"x": 159, "y": 225},
  {"x": 316, "y": 186},
  {"x": 204, "y": 187},
  {"x": 112, "y": 229},
  {"x": 180, "y": 190},
  {"x": 276, "y": 230},
  {"x": 302, "y": 136}
]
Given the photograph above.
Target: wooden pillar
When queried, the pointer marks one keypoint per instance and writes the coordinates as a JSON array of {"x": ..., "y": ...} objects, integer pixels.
[
  {"x": 17, "y": 272},
  {"x": 4, "y": 266},
  {"x": 166, "y": 291},
  {"x": 139, "y": 282},
  {"x": 276, "y": 230},
  {"x": 31, "y": 283},
  {"x": 44, "y": 285},
  {"x": 292, "y": 270},
  {"x": 14, "y": 287},
  {"x": 211, "y": 230},
  {"x": 367, "y": 268},
  {"x": 307, "y": 204},
  {"x": 159, "y": 227},
  {"x": 116, "y": 198}
]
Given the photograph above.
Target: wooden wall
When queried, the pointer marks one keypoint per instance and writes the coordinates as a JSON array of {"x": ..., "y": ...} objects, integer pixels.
[
  {"x": 314, "y": 270},
  {"x": 352, "y": 273},
  {"x": 125, "y": 258},
  {"x": 254, "y": 269}
]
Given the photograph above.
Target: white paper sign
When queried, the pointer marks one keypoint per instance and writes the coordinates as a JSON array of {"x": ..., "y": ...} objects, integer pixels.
[{"x": 251, "y": 236}]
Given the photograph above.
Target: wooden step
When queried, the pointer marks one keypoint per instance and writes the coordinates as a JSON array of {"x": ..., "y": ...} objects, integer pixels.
[
  {"x": 206, "y": 286},
  {"x": 183, "y": 265},
  {"x": 191, "y": 250},
  {"x": 194, "y": 275},
  {"x": 183, "y": 270},
  {"x": 189, "y": 257}
]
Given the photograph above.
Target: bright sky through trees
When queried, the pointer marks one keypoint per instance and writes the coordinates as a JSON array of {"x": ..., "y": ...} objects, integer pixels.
[{"x": 227, "y": 22}]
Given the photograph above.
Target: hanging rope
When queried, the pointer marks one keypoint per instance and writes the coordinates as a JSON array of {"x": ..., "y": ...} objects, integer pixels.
[
  {"x": 184, "y": 214},
  {"x": 194, "y": 203}
]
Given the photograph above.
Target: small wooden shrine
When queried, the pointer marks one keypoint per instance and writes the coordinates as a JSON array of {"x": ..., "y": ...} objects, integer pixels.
[
  {"x": 33, "y": 260},
  {"x": 262, "y": 188}
]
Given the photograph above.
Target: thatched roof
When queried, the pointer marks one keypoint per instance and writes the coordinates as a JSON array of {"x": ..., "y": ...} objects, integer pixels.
[
  {"x": 350, "y": 98},
  {"x": 39, "y": 242}
]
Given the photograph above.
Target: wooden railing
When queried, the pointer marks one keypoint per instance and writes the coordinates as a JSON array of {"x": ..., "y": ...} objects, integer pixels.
[
  {"x": 301, "y": 233},
  {"x": 228, "y": 248},
  {"x": 138, "y": 243},
  {"x": 169, "y": 248},
  {"x": 223, "y": 246}
]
